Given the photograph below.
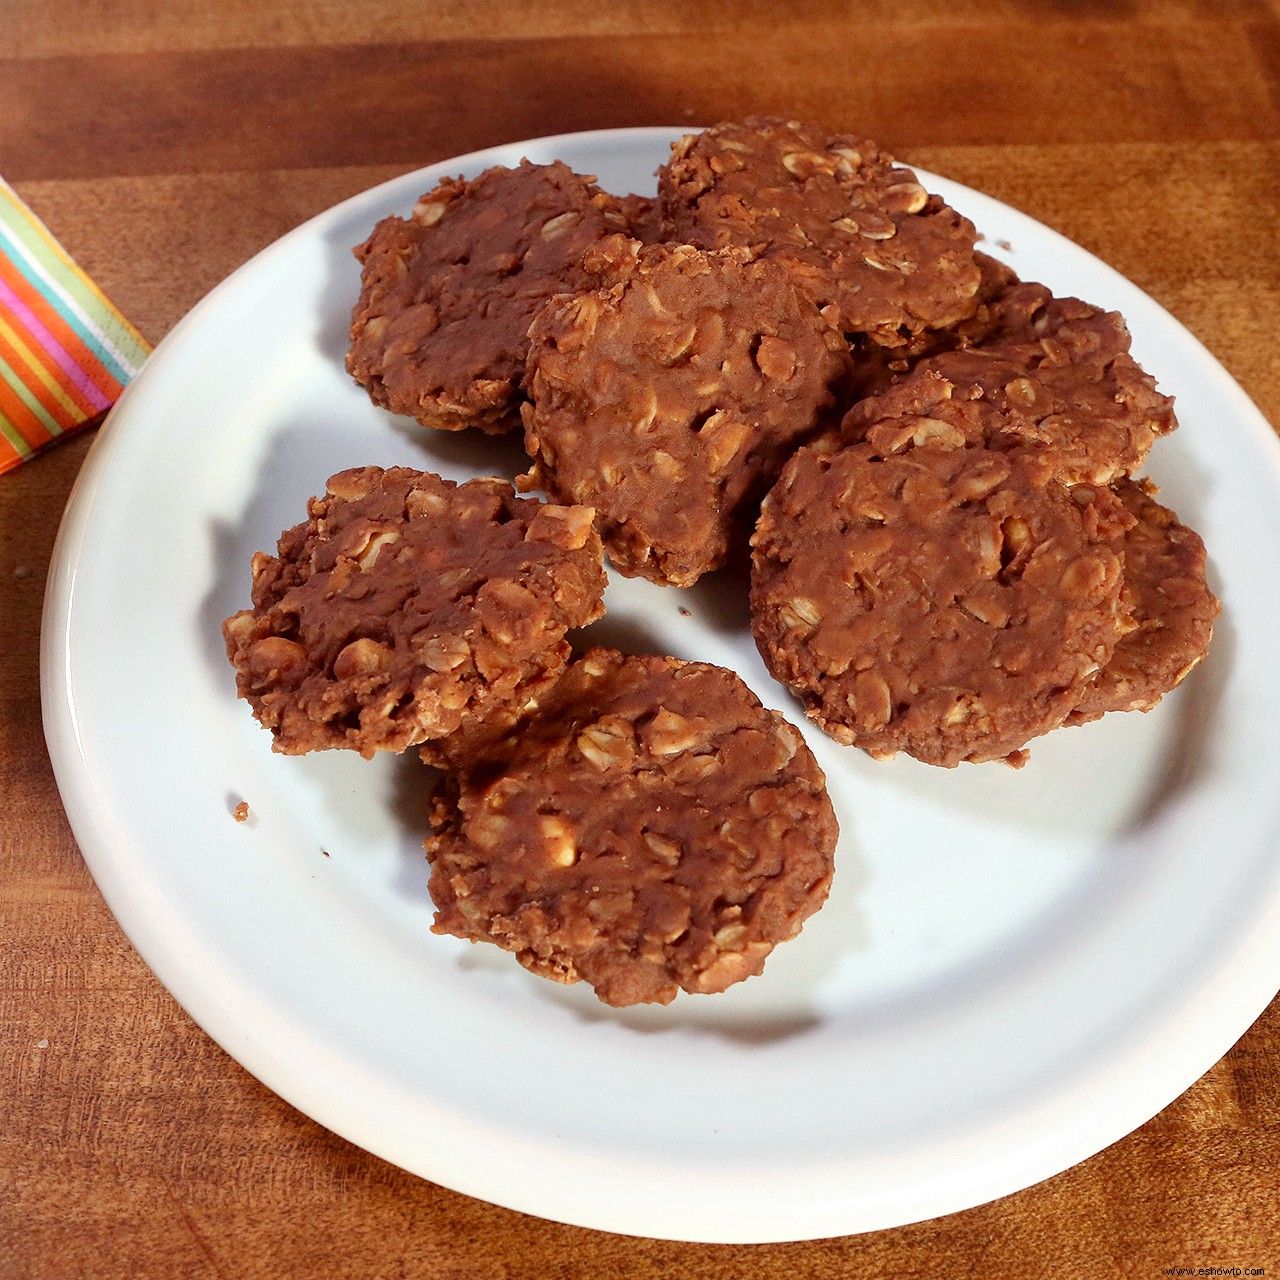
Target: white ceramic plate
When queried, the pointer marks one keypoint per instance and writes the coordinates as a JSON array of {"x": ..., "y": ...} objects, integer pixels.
[{"x": 1014, "y": 969}]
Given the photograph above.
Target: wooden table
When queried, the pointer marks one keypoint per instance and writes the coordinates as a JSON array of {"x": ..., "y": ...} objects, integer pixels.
[{"x": 165, "y": 144}]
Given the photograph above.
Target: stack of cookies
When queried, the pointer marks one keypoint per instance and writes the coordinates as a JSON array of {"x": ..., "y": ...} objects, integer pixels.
[{"x": 794, "y": 346}]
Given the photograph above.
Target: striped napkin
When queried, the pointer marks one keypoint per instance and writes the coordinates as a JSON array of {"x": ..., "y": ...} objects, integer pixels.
[{"x": 65, "y": 352}]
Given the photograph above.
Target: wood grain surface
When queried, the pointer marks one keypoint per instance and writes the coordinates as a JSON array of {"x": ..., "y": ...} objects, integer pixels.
[{"x": 167, "y": 143}]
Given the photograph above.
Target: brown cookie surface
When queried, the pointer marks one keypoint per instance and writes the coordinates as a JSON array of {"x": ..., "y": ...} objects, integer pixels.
[
  {"x": 653, "y": 828},
  {"x": 877, "y": 368},
  {"x": 439, "y": 331},
  {"x": 1172, "y": 607},
  {"x": 407, "y": 604},
  {"x": 858, "y": 233},
  {"x": 644, "y": 218},
  {"x": 668, "y": 397},
  {"x": 1051, "y": 372},
  {"x": 949, "y": 603}
]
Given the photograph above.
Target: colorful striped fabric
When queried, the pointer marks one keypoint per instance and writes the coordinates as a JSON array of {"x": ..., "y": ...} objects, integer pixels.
[{"x": 65, "y": 352}]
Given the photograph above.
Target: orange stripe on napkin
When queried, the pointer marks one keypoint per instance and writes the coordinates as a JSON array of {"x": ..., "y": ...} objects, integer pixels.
[{"x": 66, "y": 352}]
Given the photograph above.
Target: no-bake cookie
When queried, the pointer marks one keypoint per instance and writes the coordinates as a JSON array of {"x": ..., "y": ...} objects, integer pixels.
[
  {"x": 857, "y": 232},
  {"x": 668, "y": 396},
  {"x": 439, "y": 331},
  {"x": 952, "y": 603},
  {"x": 1172, "y": 607},
  {"x": 1053, "y": 372},
  {"x": 878, "y": 368},
  {"x": 652, "y": 828},
  {"x": 406, "y": 605}
]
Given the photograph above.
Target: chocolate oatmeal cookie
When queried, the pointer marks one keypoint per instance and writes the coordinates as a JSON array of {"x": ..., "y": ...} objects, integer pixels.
[
  {"x": 668, "y": 397},
  {"x": 949, "y": 603},
  {"x": 1052, "y": 372},
  {"x": 876, "y": 369},
  {"x": 1172, "y": 607},
  {"x": 653, "y": 828},
  {"x": 860, "y": 236},
  {"x": 407, "y": 604},
  {"x": 644, "y": 218},
  {"x": 447, "y": 295}
]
